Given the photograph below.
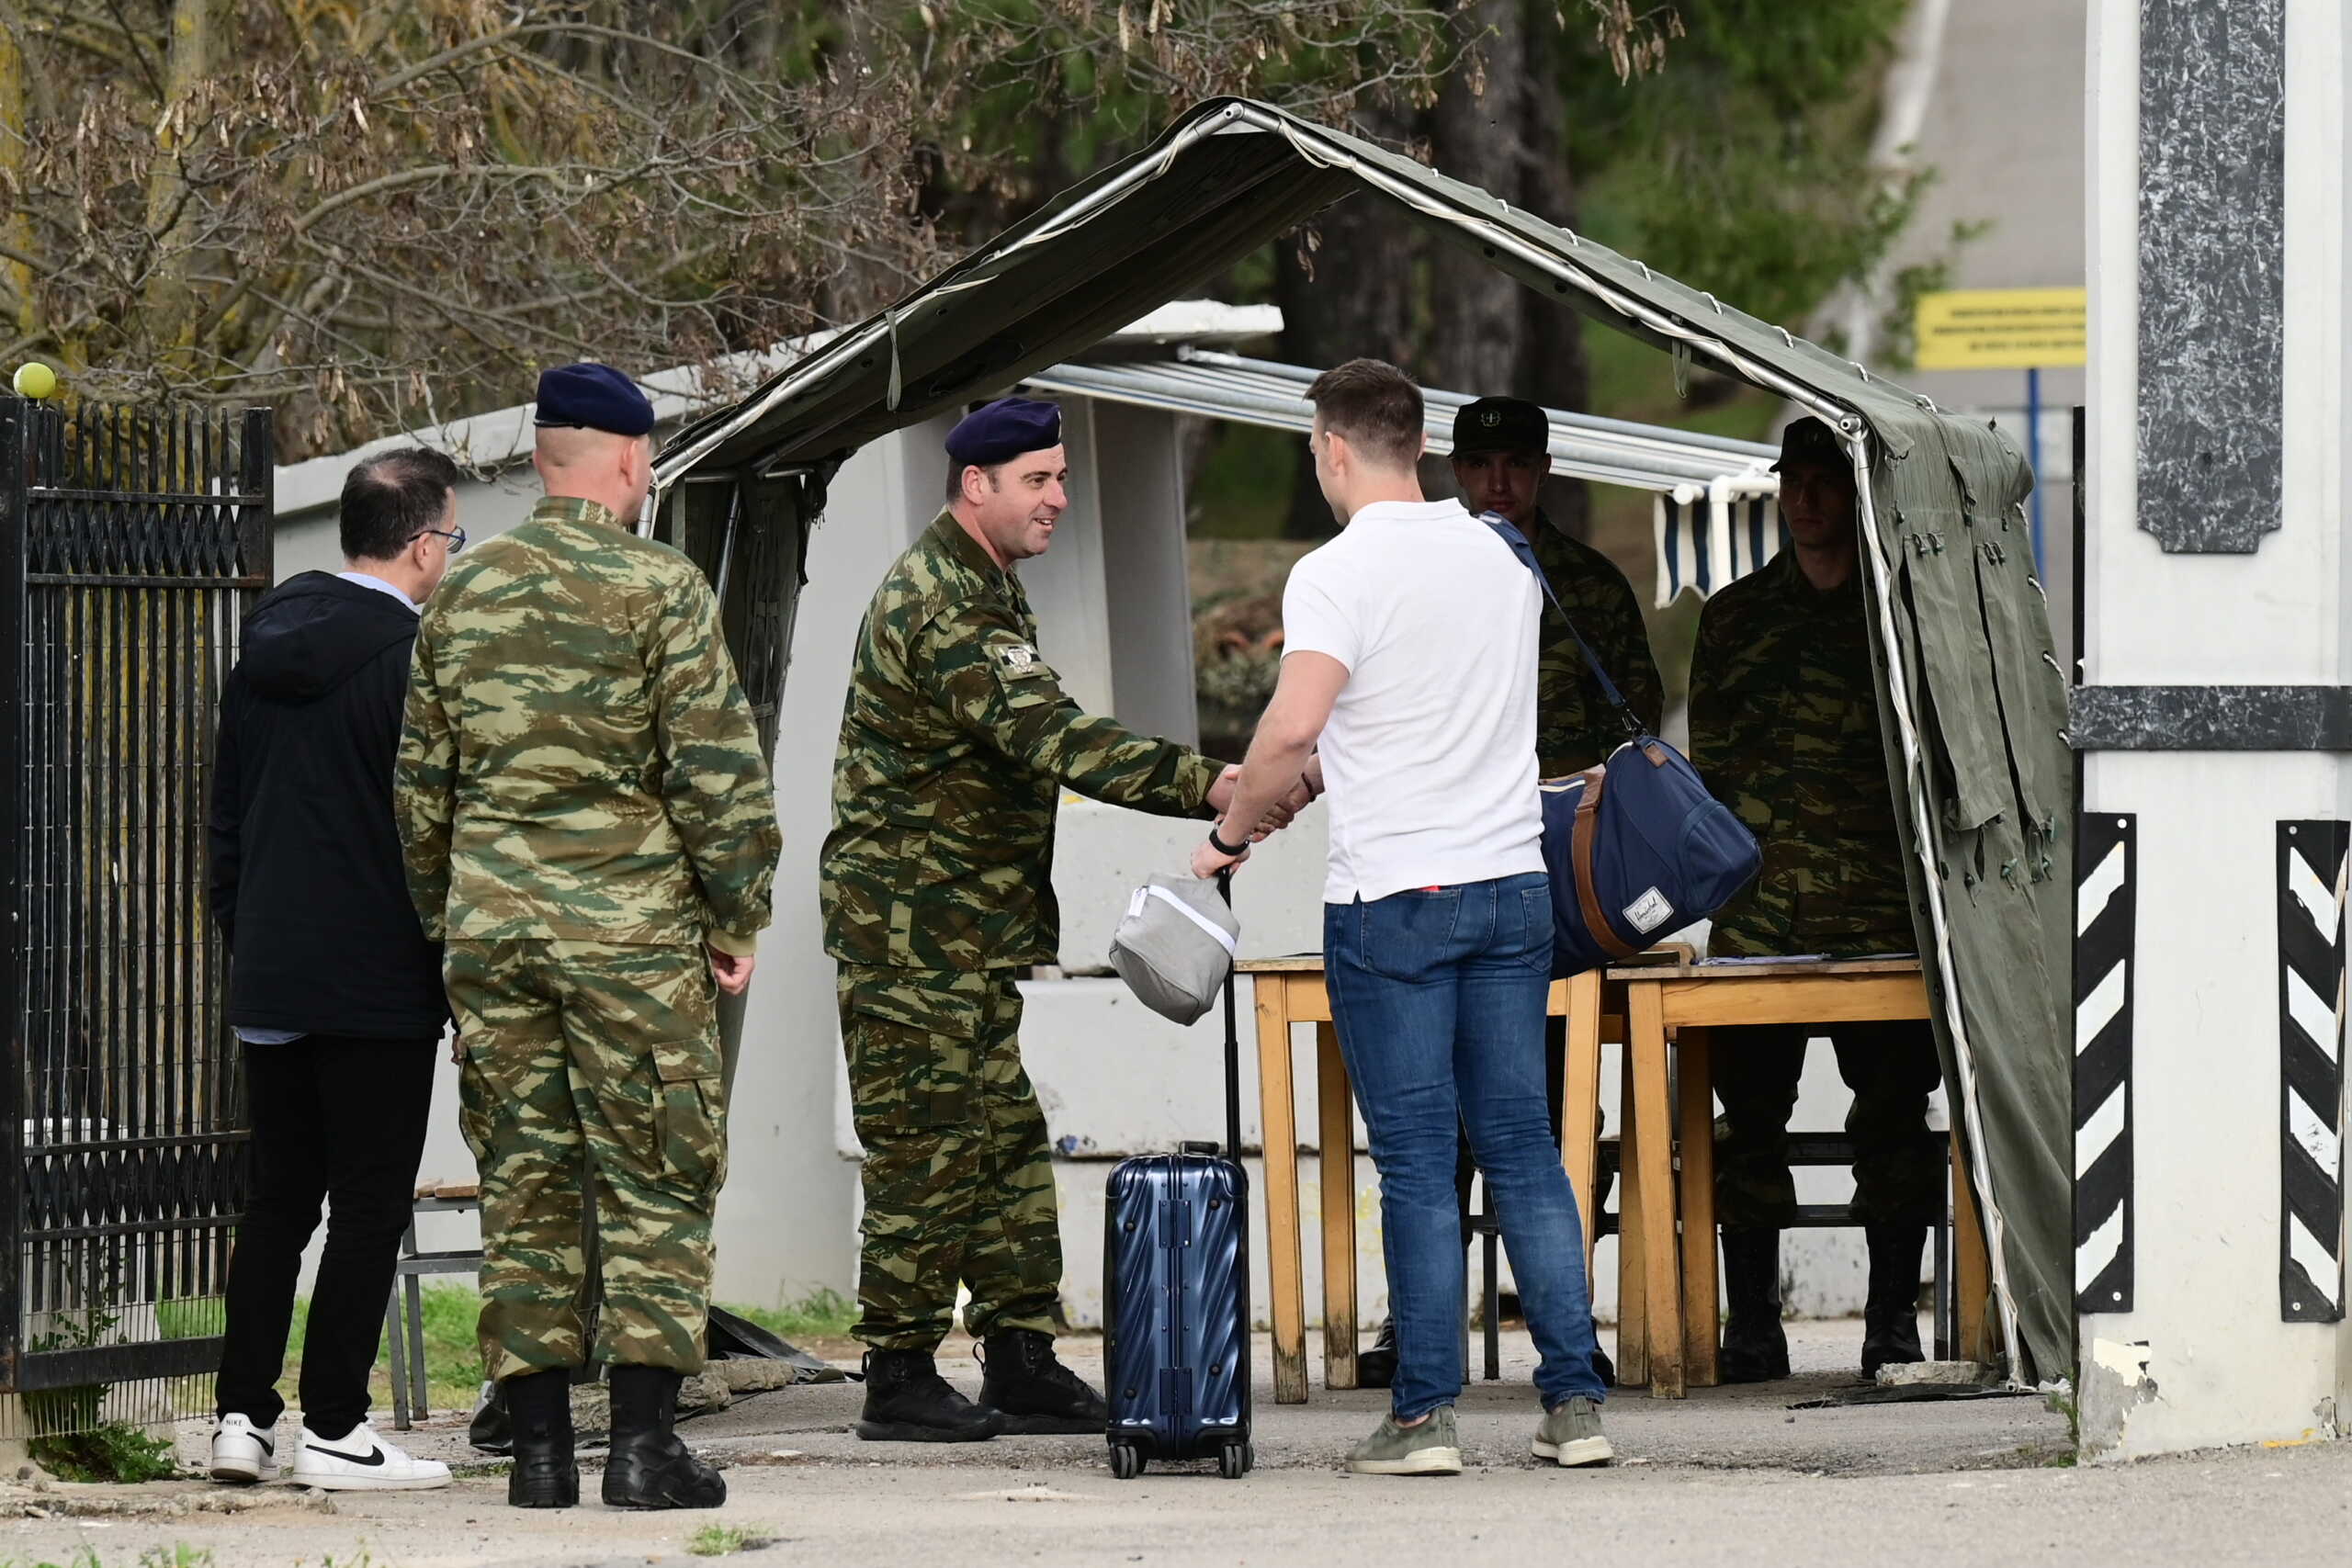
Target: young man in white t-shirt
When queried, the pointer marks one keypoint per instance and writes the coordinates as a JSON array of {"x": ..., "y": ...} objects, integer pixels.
[{"x": 1407, "y": 692}]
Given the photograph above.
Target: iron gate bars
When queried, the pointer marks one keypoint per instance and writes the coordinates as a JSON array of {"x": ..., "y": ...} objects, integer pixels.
[{"x": 132, "y": 542}]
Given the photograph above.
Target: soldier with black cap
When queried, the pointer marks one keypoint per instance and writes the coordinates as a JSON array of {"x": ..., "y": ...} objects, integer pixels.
[
  {"x": 1501, "y": 456},
  {"x": 1784, "y": 726},
  {"x": 585, "y": 809},
  {"x": 957, "y": 742}
]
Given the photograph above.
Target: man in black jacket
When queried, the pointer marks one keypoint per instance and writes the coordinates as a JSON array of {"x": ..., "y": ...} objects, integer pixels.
[{"x": 332, "y": 988}]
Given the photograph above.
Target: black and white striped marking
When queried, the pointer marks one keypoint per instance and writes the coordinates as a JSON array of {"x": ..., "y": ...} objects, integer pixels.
[
  {"x": 2106, "y": 867},
  {"x": 2310, "y": 1069}
]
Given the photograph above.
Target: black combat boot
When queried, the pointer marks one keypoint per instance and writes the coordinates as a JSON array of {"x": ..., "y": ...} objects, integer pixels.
[
  {"x": 538, "y": 1413},
  {"x": 649, "y": 1467},
  {"x": 1891, "y": 1314},
  {"x": 908, "y": 1402},
  {"x": 1755, "y": 1347},
  {"x": 1036, "y": 1395}
]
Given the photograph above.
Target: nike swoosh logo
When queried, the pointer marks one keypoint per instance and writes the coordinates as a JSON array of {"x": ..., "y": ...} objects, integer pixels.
[{"x": 373, "y": 1456}]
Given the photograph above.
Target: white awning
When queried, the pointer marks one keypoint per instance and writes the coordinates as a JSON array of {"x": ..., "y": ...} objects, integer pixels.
[{"x": 1713, "y": 495}]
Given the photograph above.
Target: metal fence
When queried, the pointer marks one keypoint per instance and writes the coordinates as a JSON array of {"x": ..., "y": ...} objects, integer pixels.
[{"x": 132, "y": 542}]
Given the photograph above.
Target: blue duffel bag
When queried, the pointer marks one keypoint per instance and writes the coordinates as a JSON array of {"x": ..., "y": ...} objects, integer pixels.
[{"x": 1636, "y": 847}]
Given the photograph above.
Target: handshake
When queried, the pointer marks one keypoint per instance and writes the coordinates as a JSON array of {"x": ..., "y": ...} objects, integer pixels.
[{"x": 1221, "y": 851}]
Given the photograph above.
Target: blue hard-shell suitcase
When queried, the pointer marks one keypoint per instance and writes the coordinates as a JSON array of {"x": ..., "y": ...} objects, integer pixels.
[{"x": 1176, "y": 1299}]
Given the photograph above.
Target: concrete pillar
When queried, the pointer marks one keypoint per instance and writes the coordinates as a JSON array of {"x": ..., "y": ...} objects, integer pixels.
[{"x": 2216, "y": 657}]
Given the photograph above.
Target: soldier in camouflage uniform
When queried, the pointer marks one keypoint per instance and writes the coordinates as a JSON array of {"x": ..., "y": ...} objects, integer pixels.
[
  {"x": 589, "y": 825},
  {"x": 1501, "y": 456},
  {"x": 1784, "y": 727},
  {"x": 956, "y": 741}
]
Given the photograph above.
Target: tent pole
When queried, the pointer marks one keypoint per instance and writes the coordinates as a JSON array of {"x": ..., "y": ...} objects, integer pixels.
[{"x": 1980, "y": 1171}]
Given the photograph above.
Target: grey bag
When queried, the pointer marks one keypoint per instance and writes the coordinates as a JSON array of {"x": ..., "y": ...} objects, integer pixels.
[{"x": 1175, "y": 945}]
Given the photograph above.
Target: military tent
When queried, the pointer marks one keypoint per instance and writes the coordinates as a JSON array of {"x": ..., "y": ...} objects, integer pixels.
[{"x": 1971, "y": 689}]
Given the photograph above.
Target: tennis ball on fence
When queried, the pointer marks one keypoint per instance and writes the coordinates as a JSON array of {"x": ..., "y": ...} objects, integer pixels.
[{"x": 35, "y": 379}]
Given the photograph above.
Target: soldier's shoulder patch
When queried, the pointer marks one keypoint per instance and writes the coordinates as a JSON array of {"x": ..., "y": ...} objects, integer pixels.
[{"x": 1018, "y": 658}]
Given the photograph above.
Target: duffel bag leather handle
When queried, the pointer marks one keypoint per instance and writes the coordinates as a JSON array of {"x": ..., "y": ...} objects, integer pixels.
[{"x": 1580, "y": 850}]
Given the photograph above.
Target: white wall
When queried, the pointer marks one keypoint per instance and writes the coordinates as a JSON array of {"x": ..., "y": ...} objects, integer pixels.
[{"x": 2220, "y": 1366}]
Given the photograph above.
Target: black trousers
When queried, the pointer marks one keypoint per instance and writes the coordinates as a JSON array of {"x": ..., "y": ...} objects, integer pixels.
[
  {"x": 341, "y": 1119},
  {"x": 1898, "y": 1163}
]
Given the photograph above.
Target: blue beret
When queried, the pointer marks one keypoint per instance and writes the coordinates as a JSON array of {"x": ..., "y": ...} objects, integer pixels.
[
  {"x": 1002, "y": 431},
  {"x": 592, "y": 397}
]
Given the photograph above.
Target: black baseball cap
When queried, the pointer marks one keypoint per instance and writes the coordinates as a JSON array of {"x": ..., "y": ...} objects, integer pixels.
[
  {"x": 1808, "y": 441},
  {"x": 1501, "y": 424}
]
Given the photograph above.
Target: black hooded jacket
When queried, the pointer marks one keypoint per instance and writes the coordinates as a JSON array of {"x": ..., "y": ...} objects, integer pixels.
[{"x": 307, "y": 878}]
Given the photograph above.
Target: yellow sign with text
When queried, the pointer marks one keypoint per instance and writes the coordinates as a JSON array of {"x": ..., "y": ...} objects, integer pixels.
[{"x": 2002, "y": 329}]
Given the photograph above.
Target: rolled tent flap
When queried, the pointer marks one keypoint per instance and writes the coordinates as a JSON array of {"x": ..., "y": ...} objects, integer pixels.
[{"x": 1971, "y": 688}]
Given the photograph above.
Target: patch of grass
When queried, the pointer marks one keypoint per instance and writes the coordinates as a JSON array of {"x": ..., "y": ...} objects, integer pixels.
[
  {"x": 112, "y": 1452},
  {"x": 192, "y": 1318},
  {"x": 722, "y": 1541},
  {"x": 179, "y": 1555},
  {"x": 822, "y": 1314},
  {"x": 452, "y": 1354},
  {"x": 83, "y": 1557}
]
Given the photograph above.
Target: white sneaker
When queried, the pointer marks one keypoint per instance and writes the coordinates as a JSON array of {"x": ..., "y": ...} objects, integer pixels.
[
  {"x": 243, "y": 1453},
  {"x": 362, "y": 1462}
]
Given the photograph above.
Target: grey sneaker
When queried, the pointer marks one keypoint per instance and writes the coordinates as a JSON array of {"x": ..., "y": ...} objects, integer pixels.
[
  {"x": 1429, "y": 1449},
  {"x": 1572, "y": 1435}
]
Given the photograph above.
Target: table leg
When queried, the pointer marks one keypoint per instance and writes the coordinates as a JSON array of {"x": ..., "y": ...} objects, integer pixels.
[
  {"x": 396, "y": 1347},
  {"x": 1972, "y": 1265},
  {"x": 1580, "y": 1101},
  {"x": 1632, "y": 1316},
  {"x": 1652, "y": 1131},
  {"x": 1694, "y": 1080},
  {"x": 1279, "y": 1113},
  {"x": 1336, "y": 1162}
]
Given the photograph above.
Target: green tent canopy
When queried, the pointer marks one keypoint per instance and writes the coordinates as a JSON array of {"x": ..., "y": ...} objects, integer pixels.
[{"x": 1969, "y": 682}]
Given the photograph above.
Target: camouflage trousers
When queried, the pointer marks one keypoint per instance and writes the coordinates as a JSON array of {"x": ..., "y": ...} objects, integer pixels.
[
  {"x": 958, "y": 1175},
  {"x": 1898, "y": 1163},
  {"x": 607, "y": 1055}
]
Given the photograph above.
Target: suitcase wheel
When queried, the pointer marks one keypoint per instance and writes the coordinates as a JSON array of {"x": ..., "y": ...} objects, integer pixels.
[
  {"x": 1126, "y": 1460},
  {"x": 1233, "y": 1460}
]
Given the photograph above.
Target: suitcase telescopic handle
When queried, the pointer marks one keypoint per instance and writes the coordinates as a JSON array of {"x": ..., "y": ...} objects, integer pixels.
[{"x": 1232, "y": 1043}]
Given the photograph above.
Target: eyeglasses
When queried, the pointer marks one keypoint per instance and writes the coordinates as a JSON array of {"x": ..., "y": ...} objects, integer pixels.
[{"x": 456, "y": 537}]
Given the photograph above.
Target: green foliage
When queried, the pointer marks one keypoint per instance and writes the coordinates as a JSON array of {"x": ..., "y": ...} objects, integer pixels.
[
  {"x": 1742, "y": 165},
  {"x": 822, "y": 1314},
  {"x": 83, "y": 1557},
  {"x": 721, "y": 1540},
  {"x": 179, "y": 1555},
  {"x": 111, "y": 1450},
  {"x": 1899, "y": 327},
  {"x": 191, "y": 1318},
  {"x": 72, "y": 1441}
]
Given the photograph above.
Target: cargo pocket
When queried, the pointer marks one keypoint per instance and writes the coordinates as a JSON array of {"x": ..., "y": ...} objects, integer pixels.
[
  {"x": 910, "y": 1040},
  {"x": 478, "y": 1105},
  {"x": 689, "y": 1111}
]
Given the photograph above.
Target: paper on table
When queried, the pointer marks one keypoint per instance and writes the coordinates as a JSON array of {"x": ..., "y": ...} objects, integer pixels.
[{"x": 1727, "y": 963}]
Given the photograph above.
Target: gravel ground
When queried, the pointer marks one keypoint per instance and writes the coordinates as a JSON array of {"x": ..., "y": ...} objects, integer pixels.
[{"x": 1730, "y": 1475}]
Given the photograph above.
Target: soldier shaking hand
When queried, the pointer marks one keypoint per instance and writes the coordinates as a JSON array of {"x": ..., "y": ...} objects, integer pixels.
[{"x": 956, "y": 741}]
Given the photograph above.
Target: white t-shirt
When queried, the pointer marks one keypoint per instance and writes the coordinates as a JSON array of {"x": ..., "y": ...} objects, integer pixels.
[{"x": 1430, "y": 756}]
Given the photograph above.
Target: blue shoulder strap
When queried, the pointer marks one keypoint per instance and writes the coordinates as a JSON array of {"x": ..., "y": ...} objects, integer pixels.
[{"x": 1509, "y": 534}]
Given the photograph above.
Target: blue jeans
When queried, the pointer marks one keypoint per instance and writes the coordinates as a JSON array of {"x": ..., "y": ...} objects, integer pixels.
[{"x": 1439, "y": 1000}]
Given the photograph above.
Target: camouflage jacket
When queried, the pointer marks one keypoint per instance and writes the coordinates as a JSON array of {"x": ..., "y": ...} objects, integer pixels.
[
  {"x": 577, "y": 761},
  {"x": 956, "y": 739},
  {"x": 1574, "y": 726},
  {"x": 1785, "y": 729}
]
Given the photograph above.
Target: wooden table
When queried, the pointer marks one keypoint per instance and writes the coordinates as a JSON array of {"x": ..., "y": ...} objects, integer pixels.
[
  {"x": 1291, "y": 990},
  {"x": 1669, "y": 1339}
]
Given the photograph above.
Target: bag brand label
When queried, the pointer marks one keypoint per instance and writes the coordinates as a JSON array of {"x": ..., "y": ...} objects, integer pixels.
[{"x": 1648, "y": 912}]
